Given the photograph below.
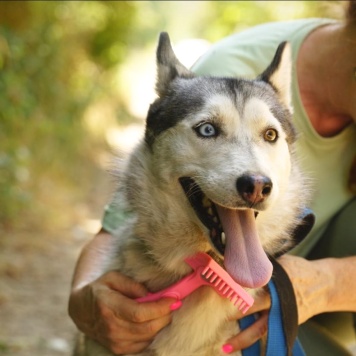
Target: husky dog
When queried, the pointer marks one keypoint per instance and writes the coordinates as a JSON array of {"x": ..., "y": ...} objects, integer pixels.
[{"x": 216, "y": 172}]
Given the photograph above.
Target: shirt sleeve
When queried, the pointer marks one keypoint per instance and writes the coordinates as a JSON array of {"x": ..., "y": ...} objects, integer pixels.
[{"x": 115, "y": 214}]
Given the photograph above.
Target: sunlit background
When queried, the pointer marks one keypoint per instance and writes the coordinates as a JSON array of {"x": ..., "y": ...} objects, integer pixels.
[{"x": 76, "y": 79}]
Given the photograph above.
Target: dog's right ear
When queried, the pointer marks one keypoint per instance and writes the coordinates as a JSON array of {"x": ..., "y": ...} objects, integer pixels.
[{"x": 168, "y": 66}]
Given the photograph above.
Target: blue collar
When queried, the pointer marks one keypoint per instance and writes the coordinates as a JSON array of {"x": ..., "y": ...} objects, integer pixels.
[{"x": 277, "y": 344}]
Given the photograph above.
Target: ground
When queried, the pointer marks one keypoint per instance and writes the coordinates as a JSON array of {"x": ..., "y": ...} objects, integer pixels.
[{"x": 35, "y": 275}]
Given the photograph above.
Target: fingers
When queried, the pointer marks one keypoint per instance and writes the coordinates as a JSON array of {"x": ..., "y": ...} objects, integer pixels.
[
  {"x": 141, "y": 312},
  {"x": 123, "y": 325},
  {"x": 106, "y": 310},
  {"x": 120, "y": 293},
  {"x": 262, "y": 301},
  {"x": 122, "y": 284},
  {"x": 117, "y": 329},
  {"x": 248, "y": 336},
  {"x": 132, "y": 333},
  {"x": 126, "y": 347},
  {"x": 257, "y": 330},
  {"x": 137, "y": 322},
  {"x": 149, "y": 329}
]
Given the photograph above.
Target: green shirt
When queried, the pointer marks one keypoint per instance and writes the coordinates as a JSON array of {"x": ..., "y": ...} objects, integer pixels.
[{"x": 326, "y": 160}]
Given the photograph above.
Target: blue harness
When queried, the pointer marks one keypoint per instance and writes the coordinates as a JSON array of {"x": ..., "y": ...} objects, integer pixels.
[{"x": 277, "y": 344}]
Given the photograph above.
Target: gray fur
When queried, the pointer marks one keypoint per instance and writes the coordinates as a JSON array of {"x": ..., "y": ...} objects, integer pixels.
[
  {"x": 163, "y": 228},
  {"x": 180, "y": 91}
]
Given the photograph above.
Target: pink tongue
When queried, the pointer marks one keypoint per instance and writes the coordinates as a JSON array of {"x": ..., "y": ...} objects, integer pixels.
[{"x": 245, "y": 259}]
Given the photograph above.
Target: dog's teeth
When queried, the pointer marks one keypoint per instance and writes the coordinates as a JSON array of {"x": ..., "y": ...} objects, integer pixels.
[
  {"x": 206, "y": 202},
  {"x": 210, "y": 211},
  {"x": 223, "y": 238}
]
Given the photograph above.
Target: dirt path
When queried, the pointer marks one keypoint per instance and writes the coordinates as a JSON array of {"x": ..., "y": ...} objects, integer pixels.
[{"x": 35, "y": 274}]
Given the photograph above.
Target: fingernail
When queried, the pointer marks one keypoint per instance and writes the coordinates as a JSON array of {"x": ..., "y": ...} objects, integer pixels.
[
  {"x": 227, "y": 348},
  {"x": 176, "y": 305}
]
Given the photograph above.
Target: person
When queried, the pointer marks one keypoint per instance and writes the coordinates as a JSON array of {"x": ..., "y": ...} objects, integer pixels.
[{"x": 322, "y": 267}]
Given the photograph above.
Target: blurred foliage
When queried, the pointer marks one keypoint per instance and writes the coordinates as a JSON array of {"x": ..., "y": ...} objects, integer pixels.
[
  {"x": 234, "y": 16},
  {"x": 53, "y": 60},
  {"x": 108, "y": 45},
  {"x": 213, "y": 20},
  {"x": 58, "y": 59}
]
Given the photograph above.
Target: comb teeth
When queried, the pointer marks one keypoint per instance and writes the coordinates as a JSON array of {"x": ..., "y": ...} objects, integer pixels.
[{"x": 224, "y": 289}]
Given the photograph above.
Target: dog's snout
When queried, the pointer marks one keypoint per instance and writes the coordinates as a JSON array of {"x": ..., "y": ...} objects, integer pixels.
[{"x": 254, "y": 188}]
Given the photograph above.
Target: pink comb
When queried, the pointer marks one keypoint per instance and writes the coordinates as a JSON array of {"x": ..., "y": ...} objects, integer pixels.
[{"x": 205, "y": 272}]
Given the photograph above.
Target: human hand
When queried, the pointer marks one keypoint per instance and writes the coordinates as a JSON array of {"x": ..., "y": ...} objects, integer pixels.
[
  {"x": 106, "y": 311},
  {"x": 257, "y": 330},
  {"x": 311, "y": 281}
]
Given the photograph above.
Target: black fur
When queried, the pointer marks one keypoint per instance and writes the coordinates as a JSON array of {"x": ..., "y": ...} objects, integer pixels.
[{"x": 181, "y": 93}]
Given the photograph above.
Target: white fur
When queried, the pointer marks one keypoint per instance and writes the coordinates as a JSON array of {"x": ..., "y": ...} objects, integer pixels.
[
  {"x": 163, "y": 228},
  {"x": 282, "y": 79}
]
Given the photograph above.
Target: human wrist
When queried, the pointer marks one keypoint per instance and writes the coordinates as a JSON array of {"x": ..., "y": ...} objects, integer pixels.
[
  {"x": 341, "y": 287},
  {"x": 76, "y": 294},
  {"x": 323, "y": 284},
  {"x": 311, "y": 284}
]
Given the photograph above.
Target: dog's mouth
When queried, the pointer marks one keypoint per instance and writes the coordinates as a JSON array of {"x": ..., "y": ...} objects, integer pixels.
[
  {"x": 233, "y": 236},
  {"x": 206, "y": 211}
]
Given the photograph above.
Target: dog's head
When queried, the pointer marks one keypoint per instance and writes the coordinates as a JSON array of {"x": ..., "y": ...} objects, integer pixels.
[{"x": 228, "y": 143}]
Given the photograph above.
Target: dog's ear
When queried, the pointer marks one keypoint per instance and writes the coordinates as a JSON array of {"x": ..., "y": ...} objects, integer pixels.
[
  {"x": 168, "y": 66},
  {"x": 279, "y": 74}
]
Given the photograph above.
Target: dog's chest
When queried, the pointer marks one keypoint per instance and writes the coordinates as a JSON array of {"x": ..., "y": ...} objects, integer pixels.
[{"x": 200, "y": 327}]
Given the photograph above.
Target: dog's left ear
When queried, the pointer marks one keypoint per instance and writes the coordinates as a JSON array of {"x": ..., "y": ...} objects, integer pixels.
[
  {"x": 168, "y": 66},
  {"x": 279, "y": 74}
]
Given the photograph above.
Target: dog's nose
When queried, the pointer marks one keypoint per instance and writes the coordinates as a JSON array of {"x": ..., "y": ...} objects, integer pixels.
[{"x": 254, "y": 188}]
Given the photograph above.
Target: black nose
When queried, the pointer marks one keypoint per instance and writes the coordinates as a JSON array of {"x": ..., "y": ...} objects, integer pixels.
[{"x": 254, "y": 188}]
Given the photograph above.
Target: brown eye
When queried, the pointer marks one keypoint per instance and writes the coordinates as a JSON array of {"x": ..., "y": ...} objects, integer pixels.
[{"x": 270, "y": 135}]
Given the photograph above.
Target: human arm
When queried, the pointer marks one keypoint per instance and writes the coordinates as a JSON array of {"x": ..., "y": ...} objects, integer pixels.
[
  {"x": 324, "y": 285},
  {"x": 103, "y": 306}
]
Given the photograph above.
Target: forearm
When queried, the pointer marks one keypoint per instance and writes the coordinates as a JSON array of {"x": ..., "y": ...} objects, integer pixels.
[
  {"x": 103, "y": 306},
  {"x": 92, "y": 259},
  {"x": 342, "y": 287},
  {"x": 321, "y": 286}
]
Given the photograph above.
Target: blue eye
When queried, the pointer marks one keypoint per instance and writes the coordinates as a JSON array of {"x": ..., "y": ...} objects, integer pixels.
[{"x": 206, "y": 130}]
